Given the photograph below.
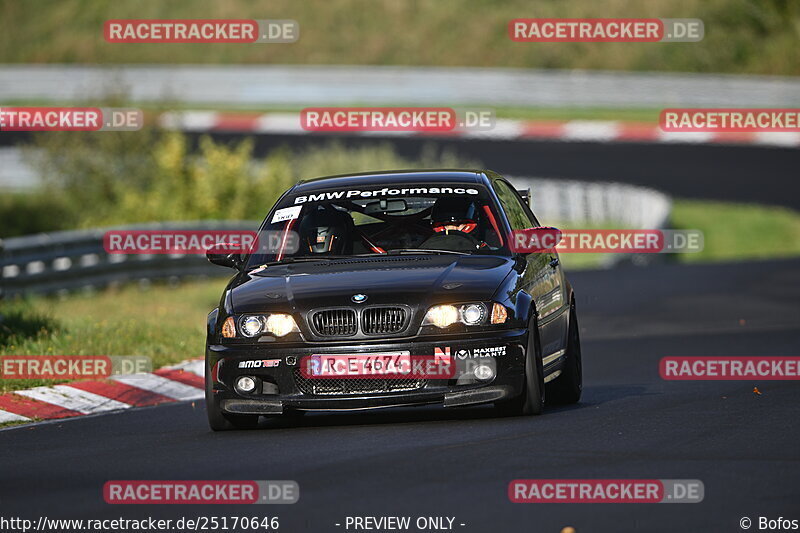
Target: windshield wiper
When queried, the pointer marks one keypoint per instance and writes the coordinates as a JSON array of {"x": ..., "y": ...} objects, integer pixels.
[{"x": 423, "y": 251}]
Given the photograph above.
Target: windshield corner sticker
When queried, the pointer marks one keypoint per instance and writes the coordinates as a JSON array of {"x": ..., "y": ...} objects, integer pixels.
[{"x": 287, "y": 213}]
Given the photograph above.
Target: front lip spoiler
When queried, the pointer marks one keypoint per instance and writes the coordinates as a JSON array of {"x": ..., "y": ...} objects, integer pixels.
[
  {"x": 451, "y": 399},
  {"x": 475, "y": 396}
]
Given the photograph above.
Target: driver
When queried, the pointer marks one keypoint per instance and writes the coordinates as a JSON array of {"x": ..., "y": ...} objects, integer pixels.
[
  {"x": 454, "y": 214},
  {"x": 454, "y": 222},
  {"x": 326, "y": 230}
]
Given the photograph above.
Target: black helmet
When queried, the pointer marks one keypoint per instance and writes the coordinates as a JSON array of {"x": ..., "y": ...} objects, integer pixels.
[
  {"x": 454, "y": 211},
  {"x": 326, "y": 230}
]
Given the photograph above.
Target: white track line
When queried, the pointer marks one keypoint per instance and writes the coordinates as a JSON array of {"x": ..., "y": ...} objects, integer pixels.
[
  {"x": 685, "y": 136},
  {"x": 74, "y": 399},
  {"x": 161, "y": 385},
  {"x": 777, "y": 138},
  {"x": 189, "y": 121},
  {"x": 5, "y": 416},
  {"x": 279, "y": 123},
  {"x": 590, "y": 130}
]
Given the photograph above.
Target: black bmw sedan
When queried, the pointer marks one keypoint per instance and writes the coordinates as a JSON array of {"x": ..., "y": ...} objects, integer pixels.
[{"x": 392, "y": 289}]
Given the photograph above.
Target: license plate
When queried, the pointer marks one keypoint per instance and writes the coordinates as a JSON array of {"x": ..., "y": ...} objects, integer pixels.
[{"x": 364, "y": 365}]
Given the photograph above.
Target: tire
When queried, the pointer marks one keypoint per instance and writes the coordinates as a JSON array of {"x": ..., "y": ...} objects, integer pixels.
[
  {"x": 219, "y": 421},
  {"x": 531, "y": 401},
  {"x": 566, "y": 388}
]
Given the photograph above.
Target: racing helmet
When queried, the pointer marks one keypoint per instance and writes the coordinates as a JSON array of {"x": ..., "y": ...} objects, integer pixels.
[
  {"x": 459, "y": 214},
  {"x": 326, "y": 230}
]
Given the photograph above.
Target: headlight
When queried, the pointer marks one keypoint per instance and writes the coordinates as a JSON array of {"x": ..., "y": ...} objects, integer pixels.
[
  {"x": 441, "y": 316},
  {"x": 280, "y": 325},
  {"x": 250, "y": 326},
  {"x": 277, "y": 324},
  {"x": 471, "y": 314}
]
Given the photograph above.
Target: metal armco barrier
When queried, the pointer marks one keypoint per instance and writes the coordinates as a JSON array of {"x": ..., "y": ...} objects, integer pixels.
[{"x": 50, "y": 263}]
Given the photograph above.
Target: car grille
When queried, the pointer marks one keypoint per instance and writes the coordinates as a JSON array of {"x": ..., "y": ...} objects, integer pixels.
[
  {"x": 334, "y": 322},
  {"x": 376, "y": 320},
  {"x": 333, "y": 386}
]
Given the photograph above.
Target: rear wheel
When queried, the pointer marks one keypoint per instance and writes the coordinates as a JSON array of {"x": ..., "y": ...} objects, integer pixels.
[
  {"x": 531, "y": 401},
  {"x": 220, "y": 421},
  {"x": 567, "y": 388}
]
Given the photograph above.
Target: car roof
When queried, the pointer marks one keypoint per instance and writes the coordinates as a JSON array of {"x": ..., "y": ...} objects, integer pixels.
[{"x": 393, "y": 177}]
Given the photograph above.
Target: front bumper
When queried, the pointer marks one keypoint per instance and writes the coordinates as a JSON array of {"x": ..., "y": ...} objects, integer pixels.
[{"x": 281, "y": 389}]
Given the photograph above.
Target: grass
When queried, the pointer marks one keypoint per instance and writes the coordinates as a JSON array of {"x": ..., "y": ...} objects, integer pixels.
[
  {"x": 741, "y": 36},
  {"x": 164, "y": 323},
  {"x": 735, "y": 232}
]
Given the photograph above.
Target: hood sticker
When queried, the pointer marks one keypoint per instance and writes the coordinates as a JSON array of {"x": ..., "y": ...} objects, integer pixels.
[{"x": 474, "y": 353}]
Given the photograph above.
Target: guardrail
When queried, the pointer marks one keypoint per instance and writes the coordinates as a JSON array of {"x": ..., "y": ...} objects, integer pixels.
[
  {"x": 561, "y": 201},
  {"x": 314, "y": 85},
  {"x": 53, "y": 263}
]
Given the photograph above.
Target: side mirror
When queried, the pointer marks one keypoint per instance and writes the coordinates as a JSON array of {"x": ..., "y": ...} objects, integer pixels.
[
  {"x": 535, "y": 240},
  {"x": 221, "y": 254}
]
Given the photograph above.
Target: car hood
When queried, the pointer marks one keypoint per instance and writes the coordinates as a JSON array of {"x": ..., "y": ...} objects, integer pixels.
[{"x": 415, "y": 280}]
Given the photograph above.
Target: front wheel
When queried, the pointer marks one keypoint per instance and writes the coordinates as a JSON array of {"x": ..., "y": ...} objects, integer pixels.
[
  {"x": 219, "y": 421},
  {"x": 531, "y": 401}
]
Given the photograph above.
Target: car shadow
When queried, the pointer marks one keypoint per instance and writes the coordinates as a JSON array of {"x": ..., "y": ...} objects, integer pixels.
[
  {"x": 593, "y": 396},
  {"x": 391, "y": 415}
]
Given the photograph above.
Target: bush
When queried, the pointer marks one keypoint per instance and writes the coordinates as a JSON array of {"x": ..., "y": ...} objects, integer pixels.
[{"x": 25, "y": 213}]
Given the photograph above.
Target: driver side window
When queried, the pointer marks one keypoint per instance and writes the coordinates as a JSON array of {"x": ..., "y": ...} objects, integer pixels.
[{"x": 517, "y": 215}]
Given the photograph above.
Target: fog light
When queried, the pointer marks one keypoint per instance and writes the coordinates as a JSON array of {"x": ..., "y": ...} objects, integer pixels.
[
  {"x": 483, "y": 372},
  {"x": 245, "y": 384}
]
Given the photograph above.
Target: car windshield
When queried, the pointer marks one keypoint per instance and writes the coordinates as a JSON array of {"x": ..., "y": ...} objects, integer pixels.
[{"x": 425, "y": 218}]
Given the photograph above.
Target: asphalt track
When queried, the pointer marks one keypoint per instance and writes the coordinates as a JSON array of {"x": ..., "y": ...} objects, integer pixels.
[{"x": 426, "y": 461}]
